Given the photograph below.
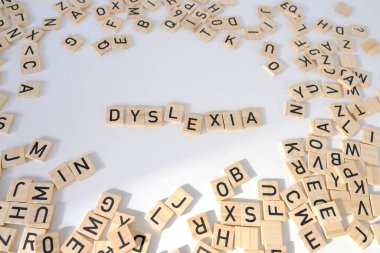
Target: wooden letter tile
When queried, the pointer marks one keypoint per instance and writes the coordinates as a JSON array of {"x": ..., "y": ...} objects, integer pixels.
[
  {"x": 120, "y": 219},
  {"x": 294, "y": 196},
  {"x": 247, "y": 237},
  {"x": 39, "y": 150},
  {"x": 268, "y": 190},
  {"x": 115, "y": 115},
  {"x": 92, "y": 225},
  {"x": 295, "y": 109},
  {"x": 360, "y": 234},
  {"x": 18, "y": 190},
  {"x": 223, "y": 237},
  {"x": 41, "y": 193},
  {"x": 274, "y": 210},
  {"x": 179, "y": 201},
  {"x": 72, "y": 42},
  {"x": 302, "y": 216},
  {"x": 312, "y": 238},
  {"x": 293, "y": 148},
  {"x": 274, "y": 67},
  {"x": 159, "y": 216},
  {"x": 271, "y": 233},
  {"x": 121, "y": 239},
  {"x": 153, "y": 116},
  {"x": 61, "y": 176},
  {"x": 28, "y": 237},
  {"x": 230, "y": 213},
  {"x": 251, "y": 117},
  {"x": 237, "y": 174},
  {"x": 174, "y": 113},
  {"x": 81, "y": 167},
  {"x": 29, "y": 89},
  {"x": 48, "y": 242},
  {"x": 39, "y": 216},
  {"x": 192, "y": 124},
  {"x": 107, "y": 205},
  {"x": 214, "y": 121},
  {"x": 76, "y": 243},
  {"x": 222, "y": 188},
  {"x": 199, "y": 226},
  {"x": 13, "y": 157},
  {"x": 8, "y": 237}
]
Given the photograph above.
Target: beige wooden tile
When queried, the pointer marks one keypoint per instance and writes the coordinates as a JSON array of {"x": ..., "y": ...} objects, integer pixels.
[
  {"x": 31, "y": 65},
  {"x": 72, "y": 42},
  {"x": 251, "y": 117},
  {"x": 174, "y": 113},
  {"x": 274, "y": 67},
  {"x": 230, "y": 213},
  {"x": 101, "y": 12},
  {"x": 231, "y": 40},
  {"x": 47, "y": 242},
  {"x": 312, "y": 238},
  {"x": 76, "y": 15},
  {"x": 223, "y": 237},
  {"x": 293, "y": 109},
  {"x": 29, "y": 89},
  {"x": 82, "y": 167},
  {"x": 159, "y": 216},
  {"x": 112, "y": 24},
  {"x": 361, "y": 209},
  {"x": 222, "y": 188},
  {"x": 92, "y": 225},
  {"x": 199, "y": 226},
  {"x": 265, "y": 11},
  {"x": 214, "y": 121},
  {"x": 294, "y": 196},
  {"x": 322, "y": 25},
  {"x": 232, "y": 121},
  {"x": 302, "y": 216},
  {"x": 107, "y": 205},
  {"x": 192, "y": 124},
  {"x": 102, "y": 46},
  {"x": 179, "y": 201},
  {"x": 28, "y": 237},
  {"x": 11, "y": 235},
  {"x": 270, "y": 49},
  {"x": 274, "y": 210},
  {"x": 360, "y": 31},
  {"x": 13, "y": 156},
  {"x": 268, "y": 25},
  {"x": 271, "y": 233},
  {"x": 153, "y": 117},
  {"x": 6, "y": 123},
  {"x": 119, "y": 219},
  {"x": 360, "y": 234},
  {"x": 49, "y": 24},
  {"x": 247, "y": 237},
  {"x": 343, "y": 9},
  {"x": 39, "y": 150},
  {"x": 253, "y": 33},
  {"x": 237, "y": 174},
  {"x": 39, "y": 216},
  {"x": 204, "y": 247},
  {"x": 71, "y": 244}
]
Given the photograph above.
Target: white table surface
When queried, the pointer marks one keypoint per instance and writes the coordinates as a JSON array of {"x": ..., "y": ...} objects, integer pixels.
[{"x": 147, "y": 164}]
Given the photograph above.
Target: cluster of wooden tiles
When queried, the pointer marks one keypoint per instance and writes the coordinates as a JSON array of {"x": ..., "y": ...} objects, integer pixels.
[
  {"x": 37, "y": 151},
  {"x": 174, "y": 113},
  {"x": 29, "y": 208},
  {"x": 121, "y": 236},
  {"x": 331, "y": 184}
]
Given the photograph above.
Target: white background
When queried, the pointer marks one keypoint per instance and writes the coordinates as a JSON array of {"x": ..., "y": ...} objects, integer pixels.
[{"x": 147, "y": 164}]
